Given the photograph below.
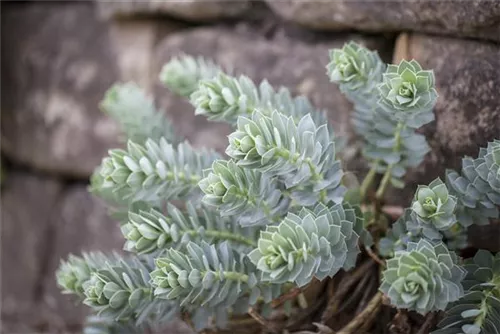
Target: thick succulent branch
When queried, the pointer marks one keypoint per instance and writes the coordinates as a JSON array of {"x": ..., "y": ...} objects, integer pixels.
[
  {"x": 182, "y": 74},
  {"x": 114, "y": 287},
  {"x": 311, "y": 244},
  {"x": 137, "y": 115},
  {"x": 477, "y": 187},
  {"x": 225, "y": 98},
  {"x": 302, "y": 155},
  {"x": 250, "y": 196},
  {"x": 384, "y": 98},
  {"x": 155, "y": 171},
  {"x": 151, "y": 231},
  {"x": 209, "y": 277},
  {"x": 478, "y": 311}
]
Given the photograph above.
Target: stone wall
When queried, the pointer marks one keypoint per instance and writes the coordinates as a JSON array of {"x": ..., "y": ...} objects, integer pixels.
[{"x": 58, "y": 58}]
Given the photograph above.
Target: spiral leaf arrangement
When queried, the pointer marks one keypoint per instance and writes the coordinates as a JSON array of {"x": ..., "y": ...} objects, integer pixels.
[
  {"x": 114, "y": 287},
  {"x": 128, "y": 104},
  {"x": 225, "y": 98},
  {"x": 151, "y": 231},
  {"x": 313, "y": 243},
  {"x": 209, "y": 277},
  {"x": 302, "y": 155},
  {"x": 423, "y": 278},
  {"x": 182, "y": 74},
  {"x": 156, "y": 170},
  {"x": 253, "y": 197},
  {"x": 212, "y": 239},
  {"x": 390, "y": 103},
  {"x": 478, "y": 186},
  {"x": 478, "y": 312}
]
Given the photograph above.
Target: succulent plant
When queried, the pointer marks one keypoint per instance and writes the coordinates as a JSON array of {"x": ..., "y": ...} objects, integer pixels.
[
  {"x": 408, "y": 93},
  {"x": 354, "y": 67},
  {"x": 209, "y": 277},
  {"x": 254, "y": 197},
  {"x": 423, "y": 278},
  {"x": 301, "y": 155},
  {"x": 151, "y": 231},
  {"x": 313, "y": 243},
  {"x": 491, "y": 170},
  {"x": 155, "y": 171},
  {"x": 71, "y": 275},
  {"x": 137, "y": 115},
  {"x": 477, "y": 186},
  {"x": 398, "y": 237},
  {"x": 478, "y": 312},
  {"x": 215, "y": 238},
  {"x": 434, "y": 209},
  {"x": 182, "y": 74}
]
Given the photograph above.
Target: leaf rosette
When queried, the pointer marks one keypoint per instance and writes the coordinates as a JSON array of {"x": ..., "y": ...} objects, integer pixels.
[
  {"x": 478, "y": 312},
  {"x": 354, "y": 66},
  {"x": 302, "y": 155},
  {"x": 434, "y": 209},
  {"x": 254, "y": 197},
  {"x": 407, "y": 92},
  {"x": 477, "y": 186},
  {"x": 423, "y": 278},
  {"x": 182, "y": 74},
  {"x": 311, "y": 244}
]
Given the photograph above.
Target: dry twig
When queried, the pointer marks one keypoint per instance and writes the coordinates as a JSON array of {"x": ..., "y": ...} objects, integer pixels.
[
  {"x": 364, "y": 318},
  {"x": 263, "y": 321},
  {"x": 287, "y": 296},
  {"x": 429, "y": 322},
  {"x": 375, "y": 257},
  {"x": 349, "y": 280}
]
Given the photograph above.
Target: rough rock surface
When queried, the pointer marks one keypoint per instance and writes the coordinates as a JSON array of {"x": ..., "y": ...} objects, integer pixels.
[
  {"x": 42, "y": 222},
  {"x": 82, "y": 224},
  {"x": 28, "y": 206},
  {"x": 191, "y": 10},
  {"x": 474, "y": 18},
  {"x": 134, "y": 42},
  {"x": 57, "y": 74},
  {"x": 468, "y": 109},
  {"x": 294, "y": 63}
]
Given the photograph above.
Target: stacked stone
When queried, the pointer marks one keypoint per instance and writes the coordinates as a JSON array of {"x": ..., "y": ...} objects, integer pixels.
[{"x": 58, "y": 59}]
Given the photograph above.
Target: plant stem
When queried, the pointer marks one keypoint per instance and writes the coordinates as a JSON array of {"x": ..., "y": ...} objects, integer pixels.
[
  {"x": 368, "y": 180},
  {"x": 379, "y": 195},
  {"x": 223, "y": 235},
  {"x": 387, "y": 175}
]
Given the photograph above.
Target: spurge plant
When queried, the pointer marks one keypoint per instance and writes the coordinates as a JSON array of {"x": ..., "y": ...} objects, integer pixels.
[{"x": 274, "y": 235}]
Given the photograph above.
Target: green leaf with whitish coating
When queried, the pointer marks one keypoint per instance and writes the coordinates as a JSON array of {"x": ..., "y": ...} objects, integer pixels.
[
  {"x": 398, "y": 236},
  {"x": 314, "y": 243},
  {"x": 433, "y": 209},
  {"x": 250, "y": 196},
  {"x": 182, "y": 74},
  {"x": 210, "y": 277},
  {"x": 423, "y": 278},
  {"x": 225, "y": 98},
  {"x": 478, "y": 311},
  {"x": 477, "y": 186},
  {"x": 151, "y": 231},
  {"x": 129, "y": 105},
  {"x": 302, "y": 155},
  {"x": 407, "y": 93},
  {"x": 115, "y": 287},
  {"x": 154, "y": 172},
  {"x": 355, "y": 68},
  {"x": 387, "y": 140}
]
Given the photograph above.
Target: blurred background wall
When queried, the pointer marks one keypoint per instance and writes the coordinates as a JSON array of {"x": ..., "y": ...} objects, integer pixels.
[{"x": 58, "y": 59}]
